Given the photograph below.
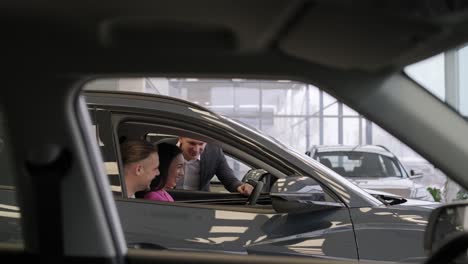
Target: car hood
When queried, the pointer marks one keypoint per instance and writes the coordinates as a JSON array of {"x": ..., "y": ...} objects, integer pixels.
[{"x": 409, "y": 202}]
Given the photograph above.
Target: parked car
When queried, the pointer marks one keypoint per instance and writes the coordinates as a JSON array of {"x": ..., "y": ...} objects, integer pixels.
[
  {"x": 309, "y": 209},
  {"x": 371, "y": 167}
]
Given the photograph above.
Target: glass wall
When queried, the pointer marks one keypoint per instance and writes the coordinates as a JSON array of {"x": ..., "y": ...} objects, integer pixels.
[
  {"x": 297, "y": 114},
  {"x": 302, "y": 115},
  {"x": 445, "y": 76}
]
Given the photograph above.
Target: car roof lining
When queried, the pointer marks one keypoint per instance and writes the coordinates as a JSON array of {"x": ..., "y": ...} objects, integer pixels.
[{"x": 336, "y": 34}]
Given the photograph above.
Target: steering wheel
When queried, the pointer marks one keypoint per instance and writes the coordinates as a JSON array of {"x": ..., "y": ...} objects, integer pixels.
[{"x": 255, "y": 193}]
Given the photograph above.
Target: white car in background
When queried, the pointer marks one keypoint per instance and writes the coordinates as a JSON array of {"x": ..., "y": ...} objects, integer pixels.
[{"x": 371, "y": 167}]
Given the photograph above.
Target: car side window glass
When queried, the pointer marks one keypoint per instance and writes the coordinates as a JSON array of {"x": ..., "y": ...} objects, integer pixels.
[
  {"x": 390, "y": 167},
  {"x": 10, "y": 227}
]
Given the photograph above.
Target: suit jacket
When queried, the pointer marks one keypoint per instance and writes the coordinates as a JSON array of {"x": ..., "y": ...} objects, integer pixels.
[{"x": 213, "y": 162}]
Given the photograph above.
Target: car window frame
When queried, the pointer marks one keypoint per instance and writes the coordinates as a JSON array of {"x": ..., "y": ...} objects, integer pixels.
[{"x": 157, "y": 119}]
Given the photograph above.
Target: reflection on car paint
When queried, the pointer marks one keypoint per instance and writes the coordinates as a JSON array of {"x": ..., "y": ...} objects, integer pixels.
[
  {"x": 230, "y": 215},
  {"x": 10, "y": 214},
  {"x": 228, "y": 229}
]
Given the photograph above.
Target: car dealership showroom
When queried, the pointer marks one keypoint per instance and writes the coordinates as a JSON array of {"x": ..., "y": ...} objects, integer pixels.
[
  {"x": 302, "y": 119},
  {"x": 220, "y": 131}
]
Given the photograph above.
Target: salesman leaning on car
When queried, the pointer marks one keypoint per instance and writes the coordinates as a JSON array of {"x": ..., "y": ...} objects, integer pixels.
[{"x": 202, "y": 162}]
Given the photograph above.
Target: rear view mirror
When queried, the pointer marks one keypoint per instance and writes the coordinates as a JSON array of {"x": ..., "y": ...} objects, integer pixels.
[
  {"x": 446, "y": 236},
  {"x": 297, "y": 194}
]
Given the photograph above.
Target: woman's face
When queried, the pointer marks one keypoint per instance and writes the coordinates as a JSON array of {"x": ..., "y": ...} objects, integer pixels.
[{"x": 176, "y": 170}]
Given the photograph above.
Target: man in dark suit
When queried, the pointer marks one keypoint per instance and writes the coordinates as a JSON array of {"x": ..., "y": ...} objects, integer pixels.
[{"x": 202, "y": 162}]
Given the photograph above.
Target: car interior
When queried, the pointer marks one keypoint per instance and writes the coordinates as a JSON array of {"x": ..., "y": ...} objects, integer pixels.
[
  {"x": 260, "y": 197},
  {"x": 355, "y": 50}
]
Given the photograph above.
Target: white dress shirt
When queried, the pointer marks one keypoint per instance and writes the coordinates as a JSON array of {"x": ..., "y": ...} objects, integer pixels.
[{"x": 192, "y": 174}]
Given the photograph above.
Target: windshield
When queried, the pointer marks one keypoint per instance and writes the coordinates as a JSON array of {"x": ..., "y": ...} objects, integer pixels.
[{"x": 360, "y": 164}]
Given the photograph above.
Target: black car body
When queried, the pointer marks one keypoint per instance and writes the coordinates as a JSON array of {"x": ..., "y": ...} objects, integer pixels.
[{"x": 341, "y": 224}]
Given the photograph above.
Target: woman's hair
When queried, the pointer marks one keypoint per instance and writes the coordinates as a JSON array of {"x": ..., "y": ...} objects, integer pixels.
[
  {"x": 167, "y": 153},
  {"x": 136, "y": 150}
]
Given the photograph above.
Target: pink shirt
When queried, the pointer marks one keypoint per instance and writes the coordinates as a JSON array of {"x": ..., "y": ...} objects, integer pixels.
[{"x": 160, "y": 195}]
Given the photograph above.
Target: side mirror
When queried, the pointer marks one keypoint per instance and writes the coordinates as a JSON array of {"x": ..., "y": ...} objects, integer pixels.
[
  {"x": 416, "y": 173},
  {"x": 446, "y": 234},
  {"x": 299, "y": 193}
]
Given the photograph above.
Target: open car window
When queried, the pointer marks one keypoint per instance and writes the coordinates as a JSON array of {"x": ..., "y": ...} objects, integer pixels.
[
  {"x": 238, "y": 161},
  {"x": 112, "y": 128}
]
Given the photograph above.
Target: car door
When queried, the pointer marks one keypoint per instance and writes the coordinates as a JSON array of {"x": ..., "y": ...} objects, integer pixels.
[
  {"x": 323, "y": 234},
  {"x": 237, "y": 229},
  {"x": 402, "y": 225}
]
